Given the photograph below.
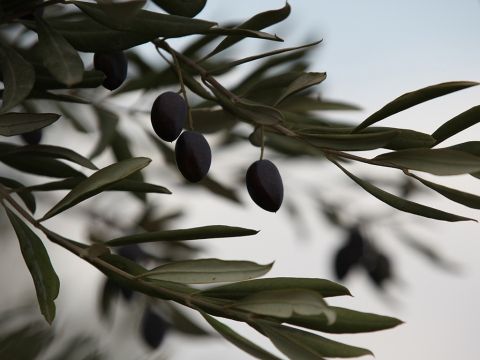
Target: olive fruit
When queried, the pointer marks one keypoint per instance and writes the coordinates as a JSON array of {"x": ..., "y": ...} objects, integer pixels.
[
  {"x": 193, "y": 155},
  {"x": 264, "y": 184},
  {"x": 168, "y": 115},
  {"x": 33, "y": 137},
  {"x": 114, "y": 66},
  {"x": 153, "y": 328},
  {"x": 349, "y": 254},
  {"x": 379, "y": 269}
]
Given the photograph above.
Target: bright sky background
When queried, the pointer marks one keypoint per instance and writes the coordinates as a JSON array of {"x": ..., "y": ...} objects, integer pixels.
[{"x": 373, "y": 51}]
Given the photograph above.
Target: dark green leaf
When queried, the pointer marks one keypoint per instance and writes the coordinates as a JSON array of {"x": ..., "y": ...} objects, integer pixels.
[
  {"x": 189, "y": 8},
  {"x": 58, "y": 56},
  {"x": 470, "y": 147},
  {"x": 301, "y": 103},
  {"x": 257, "y": 22},
  {"x": 242, "y": 289},
  {"x": 207, "y": 120},
  {"x": 38, "y": 165},
  {"x": 46, "y": 95},
  {"x": 458, "y": 196},
  {"x": 49, "y": 151},
  {"x": 205, "y": 271},
  {"x": 18, "y": 77},
  {"x": 302, "y": 345},
  {"x": 303, "y": 82},
  {"x": 72, "y": 116},
  {"x": 346, "y": 321},
  {"x": 121, "y": 9},
  {"x": 238, "y": 340},
  {"x": 19, "y": 123},
  {"x": 26, "y": 196},
  {"x": 434, "y": 161},
  {"x": 402, "y": 204},
  {"x": 203, "y": 232},
  {"x": 97, "y": 182},
  {"x": 457, "y": 124},
  {"x": 257, "y": 113},
  {"x": 413, "y": 98},
  {"x": 36, "y": 257},
  {"x": 183, "y": 323},
  {"x": 45, "y": 81}
]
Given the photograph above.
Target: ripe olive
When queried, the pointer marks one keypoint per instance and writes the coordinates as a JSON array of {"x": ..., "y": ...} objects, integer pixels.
[
  {"x": 114, "y": 66},
  {"x": 193, "y": 155},
  {"x": 264, "y": 184},
  {"x": 168, "y": 115},
  {"x": 153, "y": 328},
  {"x": 33, "y": 137}
]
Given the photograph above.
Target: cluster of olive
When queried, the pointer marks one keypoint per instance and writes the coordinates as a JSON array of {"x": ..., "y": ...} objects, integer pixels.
[{"x": 192, "y": 152}]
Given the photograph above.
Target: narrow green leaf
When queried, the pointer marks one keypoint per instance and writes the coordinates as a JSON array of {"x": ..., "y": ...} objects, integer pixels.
[
  {"x": 188, "y": 8},
  {"x": 457, "y": 124},
  {"x": 107, "y": 122},
  {"x": 46, "y": 95},
  {"x": 72, "y": 116},
  {"x": 183, "y": 323},
  {"x": 470, "y": 147},
  {"x": 413, "y": 98},
  {"x": 51, "y": 151},
  {"x": 46, "y": 281},
  {"x": 59, "y": 57},
  {"x": 196, "y": 233},
  {"x": 403, "y": 204},
  {"x": 239, "y": 290},
  {"x": 302, "y": 345},
  {"x": 349, "y": 142},
  {"x": 434, "y": 161},
  {"x": 45, "y": 81},
  {"x": 18, "y": 123},
  {"x": 302, "y": 103},
  {"x": 42, "y": 166},
  {"x": 238, "y": 340},
  {"x": 26, "y": 196},
  {"x": 458, "y": 196},
  {"x": 205, "y": 271},
  {"x": 18, "y": 77},
  {"x": 257, "y": 22},
  {"x": 97, "y": 182},
  {"x": 257, "y": 113},
  {"x": 286, "y": 303},
  {"x": 346, "y": 321},
  {"x": 121, "y": 9},
  {"x": 303, "y": 82}
]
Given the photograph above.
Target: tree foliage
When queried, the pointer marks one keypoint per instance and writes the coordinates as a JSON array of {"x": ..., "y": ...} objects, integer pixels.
[{"x": 46, "y": 48}]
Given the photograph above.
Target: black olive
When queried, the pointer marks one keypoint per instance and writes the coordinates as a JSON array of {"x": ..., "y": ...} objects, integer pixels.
[
  {"x": 33, "y": 137},
  {"x": 114, "y": 66},
  {"x": 193, "y": 155},
  {"x": 168, "y": 115},
  {"x": 264, "y": 184}
]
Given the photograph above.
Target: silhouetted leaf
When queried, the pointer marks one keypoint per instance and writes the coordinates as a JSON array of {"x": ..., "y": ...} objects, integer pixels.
[
  {"x": 303, "y": 82},
  {"x": 97, "y": 182},
  {"x": 238, "y": 340},
  {"x": 403, "y": 204},
  {"x": 36, "y": 257},
  {"x": 58, "y": 56},
  {"x": 189, "y": 8},
  {"x": 26, "y": 196},
  {"x": 107, "y": 122},
  {"x": 43, "y": 166},
  {"x": 413, "y": 98},
  {"x": 204, "y": 271},
  {"x": 18, "y": 77},
  {"x": 18, "y": 123},
  {"x": 457, "y": 124},
  {"x": 202, "y": 232}
]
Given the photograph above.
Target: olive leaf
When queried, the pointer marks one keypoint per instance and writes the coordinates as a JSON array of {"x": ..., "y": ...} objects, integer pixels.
[{"x": 18, "y": 123}]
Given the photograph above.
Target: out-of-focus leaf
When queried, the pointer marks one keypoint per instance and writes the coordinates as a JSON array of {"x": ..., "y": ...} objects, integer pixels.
[
  {"x": 46, "y": 281},
  {"x": 457, "y": 124},
  {"x": 413, "y": 98},
  {"x": 403, "y": 204},
  {"x": 26, "y": 196},
  {"x": 43, "y": 166},
  {"x": 257, "y": 22},
  {"x": 150, "y": 23},
  {"x": 458, "y": 196},
  {"x": 58, "y": 56},
  {"x": 238, "y": 340},
  {"x": 182, "y": 323},
  {"x": 304, "y": 81},
  {"x": 434, "y": 161},
  {"x": 299, "y": 344},
  {"x": 52, "y": 151},
  {"x": 286, "y": 303},
  {"x": 209, "y": 121},
  {"x": 18, "y": 77},
  {"x": 205, "y": 271},
  {"x": 188, "y": 8},
  {"x": 219, "y": 189},
  {"x": 349, "y": 141},
  {"x": 45, "y": 81},
  {"x": 346, "y": 321},
  {"x": 72, "y": 116},
  {"x": 107, "y": 122},
  {"x": 26, "y": 342},
  {"x": 18, "y": 123},
  {"x": 46, "y": 95},
  {"x": 308, "y": 103},
  {"x": 97, "y": 182},
  {"x": 242, "y": 289},
  {"x": 197, "y": 233},
  {"x": 257, "y": 113}
]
